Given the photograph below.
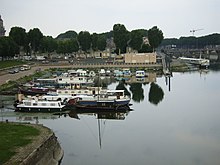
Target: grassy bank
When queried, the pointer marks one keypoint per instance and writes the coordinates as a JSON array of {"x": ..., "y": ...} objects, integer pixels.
[
  {"x": 10, "y": 63},
  {"x": 12, "y": 136},
  {"x": 12, "y": 86}
]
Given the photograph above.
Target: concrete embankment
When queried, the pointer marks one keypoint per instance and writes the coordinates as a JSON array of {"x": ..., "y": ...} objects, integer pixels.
[{"x": 44, "y": 150}]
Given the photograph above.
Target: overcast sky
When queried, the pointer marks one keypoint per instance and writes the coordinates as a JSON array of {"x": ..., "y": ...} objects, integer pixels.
[{"x": 174, "y": 17}]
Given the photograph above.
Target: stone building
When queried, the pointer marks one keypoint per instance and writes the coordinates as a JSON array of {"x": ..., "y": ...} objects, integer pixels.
[
  {"x": 2, "y": 29},
  {"x": 147, "y": 58}
]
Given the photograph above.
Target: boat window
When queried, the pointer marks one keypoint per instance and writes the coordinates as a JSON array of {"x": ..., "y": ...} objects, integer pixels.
[
  {"x": 52, "y": 104},
  {"x": 120, "y": 93},
  {"x": 35, "y": 104},
  {"x": 44, "y": 104},
  {"x": 27, "y": 103}
]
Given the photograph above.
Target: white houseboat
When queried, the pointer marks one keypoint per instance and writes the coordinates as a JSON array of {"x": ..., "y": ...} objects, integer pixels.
[{"x": 38, "y": 105}]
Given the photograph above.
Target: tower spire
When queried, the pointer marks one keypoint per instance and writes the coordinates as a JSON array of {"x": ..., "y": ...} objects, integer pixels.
[{"x": 2, "y": 29}]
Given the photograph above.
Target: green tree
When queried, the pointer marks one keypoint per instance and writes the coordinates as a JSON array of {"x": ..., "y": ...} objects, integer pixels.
[
  {"x": 101, "y": 42},
  {"x": 155, "y": 37},
  {"x": 85, "y": 40},
  {"x": 67, "y": 35},
  {"x": 146, "y": 48},
  {"x": 193, "y": 42},
  {"x": 98, "y": 41},
  {"x": 34, "y": 38},
  {"x": 8, "y": 47},
  {"x": 19, "y": 35},
  {"x": 74, "y": 45},
  {"x": 121, "y": 37},
  {"x": 94, "y": 38},
  {"x": 61, "y": 47},
  {"x": 136, "y": 38},
  {"x": 48, "y": 44},
  {"x": 67, "y": 46}
]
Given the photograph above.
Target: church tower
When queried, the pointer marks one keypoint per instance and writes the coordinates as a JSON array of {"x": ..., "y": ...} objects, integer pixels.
[{"x": 2, "y": 29}]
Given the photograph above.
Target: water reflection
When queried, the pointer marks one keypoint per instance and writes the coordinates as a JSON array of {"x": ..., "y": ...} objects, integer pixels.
[
  {"x": 101, "y": 114},
  {"x": 151, "y": 77},
  {"x": 156, "y": 94},
  {"x": 122, "y": 86},
  {"x": 181, "y": 129},
  {"x": 137, "y": 92},
  {"x": 84, "y": 116},
  {"x": 135, "y": 86},
  {"x": 35, "y": 117}
]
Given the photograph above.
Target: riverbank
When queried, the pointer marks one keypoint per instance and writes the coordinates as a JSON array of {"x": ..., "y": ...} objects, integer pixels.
[
  {"x": 5, "y": 77},
  {"x": 43, "y": 149}
]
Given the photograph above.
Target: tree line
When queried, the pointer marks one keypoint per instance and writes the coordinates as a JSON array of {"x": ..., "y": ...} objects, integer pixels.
[
  {"x": 193, "y": 42},
  {"x": 69, "y": 42}
]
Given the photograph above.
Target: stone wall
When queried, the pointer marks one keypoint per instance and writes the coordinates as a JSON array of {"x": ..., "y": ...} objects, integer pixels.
[
  {"x": 49, "y": 153},
  {"x": 44, "y": 149}
]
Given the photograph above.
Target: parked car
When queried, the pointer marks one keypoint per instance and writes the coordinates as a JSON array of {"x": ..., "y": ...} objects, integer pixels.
[
  {"x": 25, "y": 67},
  {"x": 16, "y": 70},
  {"x": 11, "y": 71},
  {"x": 22, "y": 68}
]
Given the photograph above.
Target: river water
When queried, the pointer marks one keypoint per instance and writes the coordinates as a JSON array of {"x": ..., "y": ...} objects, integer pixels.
[{"x": 174, "y": 122}]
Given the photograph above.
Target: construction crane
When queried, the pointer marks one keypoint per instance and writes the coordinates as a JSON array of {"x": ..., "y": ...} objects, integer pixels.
[{"x": 195, "y": 30}]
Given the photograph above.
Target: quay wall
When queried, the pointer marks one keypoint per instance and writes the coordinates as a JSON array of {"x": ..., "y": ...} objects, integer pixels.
[
  {"x": 48, "y": 153},
  {"x": 44, "y": 66},
  {"x": 44, "y": 149}
]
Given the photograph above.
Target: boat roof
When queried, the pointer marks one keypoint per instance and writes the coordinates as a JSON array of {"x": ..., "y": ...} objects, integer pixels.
[
  {"x": 46, "y": 79},
  {"x": 115, "y": 91}
]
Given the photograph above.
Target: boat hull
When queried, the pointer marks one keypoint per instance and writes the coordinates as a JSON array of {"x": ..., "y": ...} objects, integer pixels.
[
  {"x": 33, "y": 92},
  {"x": 103, "y": 102},
  {"x": 74, "y": 104}
]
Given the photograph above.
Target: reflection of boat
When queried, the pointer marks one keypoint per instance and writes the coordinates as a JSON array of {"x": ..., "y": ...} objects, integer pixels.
[
  {"x": 101, "y": 115},
  {"x": 35, "y": 117},
  {"x": 203, "y": 63},
  {"x": 151, "y": 77},
  {"x": 126, "y": 72},
  {"x": 140, "y": 73}
]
